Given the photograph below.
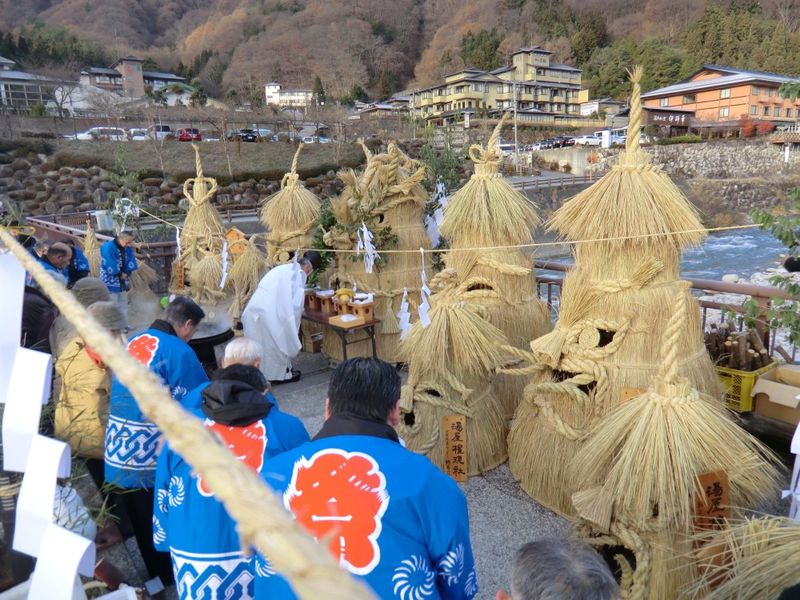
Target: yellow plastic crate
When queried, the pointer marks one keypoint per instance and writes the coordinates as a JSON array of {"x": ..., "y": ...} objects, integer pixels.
[{"x": 739, "y": 384}]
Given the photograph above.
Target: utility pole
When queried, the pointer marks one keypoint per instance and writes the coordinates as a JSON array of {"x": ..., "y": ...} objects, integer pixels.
[
  {"x": 413, "y": 115},
  {"x": 516, "y": 146}
]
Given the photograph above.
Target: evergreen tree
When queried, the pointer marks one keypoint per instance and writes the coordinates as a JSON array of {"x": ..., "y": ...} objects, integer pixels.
[
  {"x": 318, "y": 91},
  {"x": 480, "y": 50}
]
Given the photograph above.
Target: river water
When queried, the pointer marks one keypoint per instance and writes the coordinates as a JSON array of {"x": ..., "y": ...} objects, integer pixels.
[{"x": 743, "y": 252}]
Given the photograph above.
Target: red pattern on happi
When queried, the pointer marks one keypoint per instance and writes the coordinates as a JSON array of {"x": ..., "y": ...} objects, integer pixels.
[
  {"x": 143, "y": 348},
  {"x": 341, "y": 497},
  {"x": 248, "y": 444}
]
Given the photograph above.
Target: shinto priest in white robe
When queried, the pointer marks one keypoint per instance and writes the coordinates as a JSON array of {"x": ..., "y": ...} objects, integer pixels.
[{"x": 272, "y": 318}]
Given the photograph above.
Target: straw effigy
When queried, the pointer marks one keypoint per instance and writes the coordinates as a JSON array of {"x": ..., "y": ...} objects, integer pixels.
[
  {"x": 450, "y": 366},
  {"x": 640, "y": 469},
  {"x": 262, "y": 520},
  {"x": 489, "y": 212},
  {"x": 754, "y": 558},
  {"x": 202, "y": 238},
  {"x": 389, "y": 198},
  {"x": 91, "y": 248},
  {"x": 290, "y": 216},
  {"x": 615, "y": 303}
]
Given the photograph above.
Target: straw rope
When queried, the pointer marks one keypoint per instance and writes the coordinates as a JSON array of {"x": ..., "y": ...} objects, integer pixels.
[
  {"x": 635, "y": 119},
  {"x": 10, "y": 490},
  {"x": 262, "y": 520},
  {"x": 671, "y": 346}
]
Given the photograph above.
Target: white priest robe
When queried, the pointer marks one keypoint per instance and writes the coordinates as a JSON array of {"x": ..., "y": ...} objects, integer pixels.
[{"x": 272, "y": 318}]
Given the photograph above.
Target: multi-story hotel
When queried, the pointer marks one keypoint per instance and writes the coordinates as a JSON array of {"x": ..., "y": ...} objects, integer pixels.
[
  {"x": 719, "y": 94},
  {"x": 545, "y": 91}
]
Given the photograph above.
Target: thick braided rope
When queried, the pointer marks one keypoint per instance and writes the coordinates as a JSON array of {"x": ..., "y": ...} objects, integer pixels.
[
  {"x": 670, "y": 347},
  {"x": 504, "y": 268},
  {"x": 262, "y": 520},
  {"x": 291, "y": 178},
  {"x": 635, "y": 120}
]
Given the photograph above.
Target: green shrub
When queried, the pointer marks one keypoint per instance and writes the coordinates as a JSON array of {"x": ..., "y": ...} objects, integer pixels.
[{"x": 680, "y": 139}]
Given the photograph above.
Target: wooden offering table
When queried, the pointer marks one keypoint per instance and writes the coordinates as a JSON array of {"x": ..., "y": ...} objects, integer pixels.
[{"x": 367, "y": 327}]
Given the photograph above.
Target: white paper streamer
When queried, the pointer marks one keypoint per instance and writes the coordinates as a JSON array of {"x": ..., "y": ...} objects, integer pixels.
[
  {"x": 364, "y": 245},
  {"x": 224, "y": 264},
  {"x": 794, "y": 485},
  {"x": 434, "y": 221},
  {"x": 178, "y": 243},
  {"x": 48, "y": 460},
  {"x": 63, "y": 555},
  {"x": 404, "y": 317},
  {"x": 424, "y": 293},
  {"x": 28, "y": 390},
  {"x": 13, "y": 277}
]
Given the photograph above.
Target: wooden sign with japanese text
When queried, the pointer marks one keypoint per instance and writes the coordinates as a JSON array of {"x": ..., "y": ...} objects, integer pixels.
[
  {"x": 712, "y": 506},
  {"x": 455, "y": 446}
]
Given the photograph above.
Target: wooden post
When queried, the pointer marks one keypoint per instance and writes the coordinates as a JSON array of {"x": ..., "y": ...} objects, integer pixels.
[{"x": 762, "y": 321}]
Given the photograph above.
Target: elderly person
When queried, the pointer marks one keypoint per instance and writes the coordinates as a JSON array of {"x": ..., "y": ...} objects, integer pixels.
[
  {"x": 87, "y": 291},
  {"x": 555, "y": 569},
  {"x": 236, "y": 406},
  {"x": 82, "y": 406}
]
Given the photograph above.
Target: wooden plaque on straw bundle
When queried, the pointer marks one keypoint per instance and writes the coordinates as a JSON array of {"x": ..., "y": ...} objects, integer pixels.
[
  {"x": 712, "y": 505},
  {"x": 455, "y": 446}
]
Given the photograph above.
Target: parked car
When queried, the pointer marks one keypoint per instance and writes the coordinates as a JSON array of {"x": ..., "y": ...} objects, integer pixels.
[
  {"x": 618, "y": 140},
  {"x": 138, "y": 134},
  {"x": 243, "y": 135},
  {"x": 160, "y": 132},
  {"x": 285, "y": 136},
  {"x": 263, "y": 132},
  {"x": 324, "y": 140},
  {"x": 506, "y": 149},
  {"x": 116, "y": 134},
  {"x": 587, "y": 140},
  {"x": 189, "y": 134},
  {"x": 309, "y": 139},
  {"x": 569, "y": 141}
]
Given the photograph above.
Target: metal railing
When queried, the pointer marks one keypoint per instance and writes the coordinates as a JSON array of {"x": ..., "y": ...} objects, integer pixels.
[
  {"x": 549, "y": 289},
  {"x": 160, "y": 255}
]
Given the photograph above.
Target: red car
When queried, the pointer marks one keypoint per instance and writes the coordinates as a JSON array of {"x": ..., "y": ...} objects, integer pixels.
[{"x": 188, "y": 134}]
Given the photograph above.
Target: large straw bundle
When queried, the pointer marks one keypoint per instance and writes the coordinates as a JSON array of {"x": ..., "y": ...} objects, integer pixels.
[
  {"x": 648, "y": 452},
  {"x": 244, "y": 275},
  {"x": 290, "y": 216},
  {"x": 202, "y": 238},
  {"x": 261, "y": 519},
  {"x": 640, "y": 467},
  {"x": 614, "y": 305},
  {"x": 755, "y": 558},
  {"x": 489, "y": 212},
  {"x": 388, "y": 196},
  {"x": 450, "y": 364},
  {"x": 91, "y": 248}
]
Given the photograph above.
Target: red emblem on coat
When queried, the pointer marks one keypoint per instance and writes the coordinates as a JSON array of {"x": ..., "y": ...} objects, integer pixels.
[
  {"x": 248, "y": 444},
  {"x": 341, "y": 496},
  {"x": 143, "y": 348}
]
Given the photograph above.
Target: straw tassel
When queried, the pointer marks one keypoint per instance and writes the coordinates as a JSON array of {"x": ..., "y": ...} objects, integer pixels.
[
  {"x": 143, "y": 277},
  {"x": 389, "y": 324},
  {"x": 91, "y": 248}
]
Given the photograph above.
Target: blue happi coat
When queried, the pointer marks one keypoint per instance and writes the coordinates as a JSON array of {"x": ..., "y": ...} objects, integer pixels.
[
  {"x": 111, "y": 265},
  {"x": 194, "y": 527},
  {"x": 392, "y": 517},
  {"x": 48, "y": 266},
  {"x": 131, "y": 440}
]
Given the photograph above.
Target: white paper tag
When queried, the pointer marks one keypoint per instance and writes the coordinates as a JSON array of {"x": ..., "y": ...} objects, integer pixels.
[
  {"x": 28, "y": 390},
  {"x": 12, "y": 274},
  {"x": 224, "y": 264},
  {"x": 63, "y": 555},
  {"x": 404, "y": 317},
  {"x": 48, "y": 460}
]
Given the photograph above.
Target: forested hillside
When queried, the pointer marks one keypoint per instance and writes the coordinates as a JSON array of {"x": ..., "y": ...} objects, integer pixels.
[{"x": 381, "y": 46}]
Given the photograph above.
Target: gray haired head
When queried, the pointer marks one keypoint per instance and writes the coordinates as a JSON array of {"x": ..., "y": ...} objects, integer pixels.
[{"x": 552, "y": 569}]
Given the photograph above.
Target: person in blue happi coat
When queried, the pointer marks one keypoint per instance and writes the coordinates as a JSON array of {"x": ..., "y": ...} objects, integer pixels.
[
  {"x": 78, "y": 267},
  {"x": 237, "y": 406},
  {"x": 56, "y": 259},
  {"x": 132, "y": 442},
  {"x": 117, "y": 262},
  {"x": 390, "y": 516}
]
